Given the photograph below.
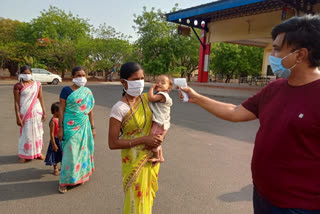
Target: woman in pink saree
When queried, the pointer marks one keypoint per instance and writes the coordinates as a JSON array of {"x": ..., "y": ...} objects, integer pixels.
[{"x": 30, "y": 113}]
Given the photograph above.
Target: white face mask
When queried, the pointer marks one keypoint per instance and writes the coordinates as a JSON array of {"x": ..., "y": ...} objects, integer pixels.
[
  {"x": 80, "y": 81},
  {"x": 26, "y": 77},
  {"x": 135, "y": 87}
]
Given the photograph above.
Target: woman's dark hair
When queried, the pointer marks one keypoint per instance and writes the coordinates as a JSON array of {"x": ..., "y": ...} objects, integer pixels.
[
  {"x": 301, "y": 32},
  {"x": 24, "y": 68},
  {"x": 54, "y": 107},
  {"x": 128, "y": 69},
  {"x": 76, "y": 69}
]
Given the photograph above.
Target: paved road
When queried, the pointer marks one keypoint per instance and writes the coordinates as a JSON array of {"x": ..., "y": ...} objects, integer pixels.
[{"x": 207, "y": 168}]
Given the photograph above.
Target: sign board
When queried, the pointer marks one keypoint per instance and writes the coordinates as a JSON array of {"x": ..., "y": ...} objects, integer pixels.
[{"x": 184, "y": 31}]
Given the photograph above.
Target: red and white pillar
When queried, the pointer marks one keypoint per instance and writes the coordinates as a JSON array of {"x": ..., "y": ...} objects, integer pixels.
[{"x": 204, "y": 57}]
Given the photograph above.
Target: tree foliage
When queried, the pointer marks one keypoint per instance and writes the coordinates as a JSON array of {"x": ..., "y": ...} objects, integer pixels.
[
  {"x": 59, "y": 40},
  {"x": 232, "y": 59},
  {"x": 163, "y": 50}
]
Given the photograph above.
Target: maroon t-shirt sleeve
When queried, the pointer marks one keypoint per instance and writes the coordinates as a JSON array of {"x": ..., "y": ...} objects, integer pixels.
[
  {"x": 252, "y": 104},
  {"x": 18, "y": 86}
]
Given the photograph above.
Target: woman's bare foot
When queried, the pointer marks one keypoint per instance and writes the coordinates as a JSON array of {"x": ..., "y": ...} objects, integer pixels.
[
  {"x": 62, "y": 189},
  {"x": 22, "y": 160},
  {"x": 56, "y": 172},
  {"x": 41, "y": 157}
]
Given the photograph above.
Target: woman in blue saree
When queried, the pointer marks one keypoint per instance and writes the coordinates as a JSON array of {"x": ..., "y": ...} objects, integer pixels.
[{"x": 77, "y": 131}]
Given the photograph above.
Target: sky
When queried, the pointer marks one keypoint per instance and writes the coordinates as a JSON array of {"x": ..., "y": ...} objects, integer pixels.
[{"x": 115, "y": 13}]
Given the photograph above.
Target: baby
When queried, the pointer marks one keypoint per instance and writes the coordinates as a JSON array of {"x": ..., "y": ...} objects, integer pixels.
[{"x": 160, "y": 103}]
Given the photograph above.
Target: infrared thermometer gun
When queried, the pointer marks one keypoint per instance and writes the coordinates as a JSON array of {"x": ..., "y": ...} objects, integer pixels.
[{"x": 182, "y": 82}]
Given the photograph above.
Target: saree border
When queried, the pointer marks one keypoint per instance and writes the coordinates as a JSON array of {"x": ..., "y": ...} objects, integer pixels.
[
  {"x": 85, "y": 178},
  {"x": 131, "y": 112},
  {"x": 136, "y": 172},
  {"x": 74, "y": 93},
  {"x": 27, "y": 86}
]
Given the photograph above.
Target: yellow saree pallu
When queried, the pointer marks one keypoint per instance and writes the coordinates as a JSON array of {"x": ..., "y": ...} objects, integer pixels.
[{"x": 140, "y": 179}]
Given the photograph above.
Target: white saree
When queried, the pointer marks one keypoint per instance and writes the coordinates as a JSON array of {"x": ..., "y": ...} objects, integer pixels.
[{"x": 30, "y": 140}]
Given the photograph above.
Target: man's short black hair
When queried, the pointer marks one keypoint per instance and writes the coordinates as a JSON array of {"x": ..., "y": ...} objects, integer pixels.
[{"x": 302, "y": 32}]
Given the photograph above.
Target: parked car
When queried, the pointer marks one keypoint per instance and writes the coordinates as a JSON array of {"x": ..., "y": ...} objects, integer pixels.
[{"x": 42, "y": 75}]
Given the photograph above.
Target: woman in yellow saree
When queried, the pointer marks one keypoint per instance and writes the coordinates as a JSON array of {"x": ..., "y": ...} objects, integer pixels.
[{"x": 131, "y": 119}]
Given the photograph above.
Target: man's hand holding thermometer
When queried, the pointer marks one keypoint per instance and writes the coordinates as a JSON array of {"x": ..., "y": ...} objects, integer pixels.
[{"x": 182, "y": 83}]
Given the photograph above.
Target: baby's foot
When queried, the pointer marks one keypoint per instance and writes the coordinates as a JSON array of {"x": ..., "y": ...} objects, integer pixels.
[{"x": 154, "y": 160}]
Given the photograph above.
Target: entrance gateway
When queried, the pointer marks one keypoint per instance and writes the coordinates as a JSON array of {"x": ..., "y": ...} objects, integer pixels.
[{"x": 241, "y": 22}]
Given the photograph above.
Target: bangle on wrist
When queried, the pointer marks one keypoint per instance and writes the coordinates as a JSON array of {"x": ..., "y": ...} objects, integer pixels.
[{"x": 93, "y": 127}]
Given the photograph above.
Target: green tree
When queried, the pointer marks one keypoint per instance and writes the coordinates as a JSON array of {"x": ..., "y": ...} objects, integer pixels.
[
  {"x": 11, "y": 49},
  {"x": 60, "y": 55},
  {"x": 106, "y": 50},
  {"x": 232, "y": 59},
  {"x": 56, "y": 24},
  {"x": 185, "y": 58},
  {"x": 162, "y": 49},
  {"x": 56, "y": 36},
  {"x": 154, "y": 41}
]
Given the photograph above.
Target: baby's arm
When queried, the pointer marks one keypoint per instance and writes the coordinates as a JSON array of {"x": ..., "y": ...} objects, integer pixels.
[{"x": 155, "y": 97}]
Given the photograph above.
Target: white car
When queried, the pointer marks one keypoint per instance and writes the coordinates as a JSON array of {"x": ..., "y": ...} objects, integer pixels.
[{"x": 42, "y": 75}]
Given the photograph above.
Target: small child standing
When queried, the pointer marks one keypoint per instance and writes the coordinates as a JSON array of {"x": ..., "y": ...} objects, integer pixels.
[
  {"x": 54, "y": 153},
  {"x": 160, "y": 103}
]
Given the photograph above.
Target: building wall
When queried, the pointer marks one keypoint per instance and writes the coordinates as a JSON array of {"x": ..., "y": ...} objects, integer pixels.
[{"x": 244, "y": 28}]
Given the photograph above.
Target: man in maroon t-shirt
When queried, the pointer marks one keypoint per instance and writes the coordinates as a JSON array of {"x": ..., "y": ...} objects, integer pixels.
[{"x": 286, "y": 158}]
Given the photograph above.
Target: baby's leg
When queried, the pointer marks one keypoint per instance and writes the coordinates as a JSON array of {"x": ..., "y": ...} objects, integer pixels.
[
  {"x": 161, "y": 155},
  {"x": 156, "y": 129},
  {"x": 157, "y": 152}
]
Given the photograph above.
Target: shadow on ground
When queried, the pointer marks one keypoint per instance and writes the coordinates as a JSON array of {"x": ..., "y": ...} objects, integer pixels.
[
  {"x": 28, "y": 190},
  {"x": 9, "y": 159},
  {"x": 23, "y": 175},
  {"x": 182, "y": 114},
  {"x": 245, "y": 194}
]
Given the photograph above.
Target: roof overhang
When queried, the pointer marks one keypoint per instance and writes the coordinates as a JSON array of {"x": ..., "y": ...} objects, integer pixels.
[{"x": 200, "y": 16}]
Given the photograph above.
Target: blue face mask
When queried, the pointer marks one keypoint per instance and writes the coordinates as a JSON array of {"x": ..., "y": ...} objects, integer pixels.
[{"x": 277, "y": 67}]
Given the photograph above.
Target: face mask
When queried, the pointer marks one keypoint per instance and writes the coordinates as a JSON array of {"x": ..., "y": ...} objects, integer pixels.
[
  {"x": 277, "y": 67},
  {"x": 80, "y": 81},
  {"x": 26, "y": 77},
  {"x": 135, "y": 87}
]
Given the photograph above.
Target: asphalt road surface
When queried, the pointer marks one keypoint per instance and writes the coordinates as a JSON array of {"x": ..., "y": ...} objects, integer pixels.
[{"x": 206, "y": 169}]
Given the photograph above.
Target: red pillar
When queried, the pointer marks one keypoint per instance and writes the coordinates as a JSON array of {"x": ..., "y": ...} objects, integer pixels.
[
  {"x": 206, "y": 59},
  {"x": 204, "y": 56},
  {"x": 201, "y": 56}
]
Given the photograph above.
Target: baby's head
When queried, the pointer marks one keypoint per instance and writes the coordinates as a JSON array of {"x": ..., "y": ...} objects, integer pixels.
[{"x": 163, "y": 83}]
